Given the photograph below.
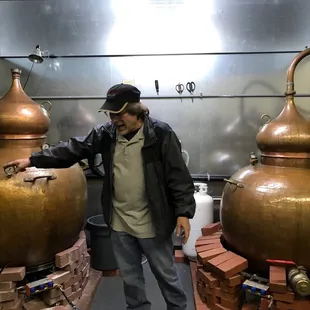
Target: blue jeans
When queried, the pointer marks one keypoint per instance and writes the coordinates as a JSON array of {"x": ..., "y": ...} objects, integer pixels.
[{"x": 128, "y": 252}]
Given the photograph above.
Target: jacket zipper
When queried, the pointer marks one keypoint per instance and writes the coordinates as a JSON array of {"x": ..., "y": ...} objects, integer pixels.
[{"x": 111, "y": 182}]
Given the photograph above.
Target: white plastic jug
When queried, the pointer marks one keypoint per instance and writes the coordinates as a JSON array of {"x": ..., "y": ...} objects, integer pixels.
[{"x": 203, "y": 216}]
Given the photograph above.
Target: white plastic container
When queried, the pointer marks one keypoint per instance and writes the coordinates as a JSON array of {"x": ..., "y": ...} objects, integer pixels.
[{"x": 203, "y": 217}]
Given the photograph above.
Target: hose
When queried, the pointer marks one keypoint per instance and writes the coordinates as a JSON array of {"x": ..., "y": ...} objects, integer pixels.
[{"x": 73, "y": 306}]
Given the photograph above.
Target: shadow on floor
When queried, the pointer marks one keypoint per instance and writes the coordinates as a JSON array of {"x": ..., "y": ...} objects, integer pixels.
[{"x": 110, "y": 296}]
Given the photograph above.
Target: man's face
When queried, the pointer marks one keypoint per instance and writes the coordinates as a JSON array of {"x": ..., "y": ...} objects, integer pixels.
[{"x": 125, "y": 122}]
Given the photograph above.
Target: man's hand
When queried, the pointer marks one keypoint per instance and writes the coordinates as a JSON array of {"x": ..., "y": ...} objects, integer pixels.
[
  {"x": 19, "y": 164},
  {"x": 183, "y": 224}
]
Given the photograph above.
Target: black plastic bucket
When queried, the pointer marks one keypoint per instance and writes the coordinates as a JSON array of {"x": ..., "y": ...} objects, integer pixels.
[{"x": 102, "y": 255}]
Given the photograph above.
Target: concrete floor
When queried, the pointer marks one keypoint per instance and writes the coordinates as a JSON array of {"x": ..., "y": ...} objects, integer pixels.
[{"x": 110, "y": 296}]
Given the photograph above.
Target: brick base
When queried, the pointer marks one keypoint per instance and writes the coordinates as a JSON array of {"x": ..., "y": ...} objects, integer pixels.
[
  {"x": 217, "y": 279},
  {"x": 72, "y": 273}
]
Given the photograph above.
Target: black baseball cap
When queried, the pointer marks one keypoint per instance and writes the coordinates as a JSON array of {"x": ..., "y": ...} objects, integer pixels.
[{"x": 119, "y": 96}]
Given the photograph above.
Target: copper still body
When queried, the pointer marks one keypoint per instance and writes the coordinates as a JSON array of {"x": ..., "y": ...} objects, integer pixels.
[
  {"x": 41, "y": 210},
  {"x": 265, "y": 209}
]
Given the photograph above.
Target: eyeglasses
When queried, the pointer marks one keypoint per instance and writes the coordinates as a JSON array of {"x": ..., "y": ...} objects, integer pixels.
[{"x": 115, "y": 115}]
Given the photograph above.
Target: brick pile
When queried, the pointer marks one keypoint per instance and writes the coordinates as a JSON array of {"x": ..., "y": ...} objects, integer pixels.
[
  {"x": 9, "y": 297},
  {"x": 179, "y": 256},
  {"x": 72, "y": 273},
  {"x": 218, "y": 275},
  {"x": 218, "y": 279},
  {"x": 73, "y": 267},
  {"x": 284, "y": 297}
]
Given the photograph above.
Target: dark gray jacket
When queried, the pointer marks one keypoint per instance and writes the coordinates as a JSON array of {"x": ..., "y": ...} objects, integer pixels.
[{"x": 169, "y": 186}]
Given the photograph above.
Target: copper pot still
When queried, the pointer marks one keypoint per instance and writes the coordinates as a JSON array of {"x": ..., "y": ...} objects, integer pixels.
[
  {"x": 265, "y": 208},
  {"x": 41, "y": 210}
]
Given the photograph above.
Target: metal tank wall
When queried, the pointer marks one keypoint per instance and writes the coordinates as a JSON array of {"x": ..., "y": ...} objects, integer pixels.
[{"x": 236, "y": 51}]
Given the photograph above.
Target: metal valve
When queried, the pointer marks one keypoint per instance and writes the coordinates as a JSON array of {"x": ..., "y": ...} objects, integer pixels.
[
  {"x": 253, "y": 159},
  {"x": 299, "y": 281}
]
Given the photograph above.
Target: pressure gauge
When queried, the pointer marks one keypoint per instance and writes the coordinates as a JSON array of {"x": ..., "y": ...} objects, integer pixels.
[{"x": 45, "y": 146}]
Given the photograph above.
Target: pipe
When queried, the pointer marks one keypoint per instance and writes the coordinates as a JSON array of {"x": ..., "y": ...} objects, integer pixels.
[
  {"x": 196, "y": 177},
  {"x": 91, "y": 97},
  {"x": 163, "y": 54},
  {"x": 290, "y": 91},
  {"x": 209, "y": 177}
]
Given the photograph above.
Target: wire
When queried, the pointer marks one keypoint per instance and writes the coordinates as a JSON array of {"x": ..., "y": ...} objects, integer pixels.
[
  {"x": 1, "y": 269},
  {"x": 271, "y": 301},
  {"x": 43, "y": 76},
  {"x": 29, "y": 75},
  {"x": 74, "y": 307}
]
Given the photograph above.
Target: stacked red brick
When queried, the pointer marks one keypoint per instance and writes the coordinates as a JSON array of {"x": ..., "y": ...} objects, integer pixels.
[
  {"x": 73, "y": 271},
  {"x": 284, "y": 297},
  {"x": 72, "y": 274},
  {"x": 9, "y": 297},
  {"x": 218, "y": 278}
]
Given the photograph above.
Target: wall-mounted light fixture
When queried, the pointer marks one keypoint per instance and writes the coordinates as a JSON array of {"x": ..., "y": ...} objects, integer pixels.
[{"x": 37, "y": 55}]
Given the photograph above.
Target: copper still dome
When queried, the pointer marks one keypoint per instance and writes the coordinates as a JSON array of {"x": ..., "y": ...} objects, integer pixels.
[
  {"x": 41, "y": 210},
  {"x": 265, "y": 208}
]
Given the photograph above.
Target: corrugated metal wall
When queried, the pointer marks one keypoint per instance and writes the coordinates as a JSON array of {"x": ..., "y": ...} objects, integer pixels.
[{"x": 218, "y": 132}]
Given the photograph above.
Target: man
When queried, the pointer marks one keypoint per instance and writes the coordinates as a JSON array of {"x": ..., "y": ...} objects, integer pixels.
[{"x": 147, "y": 192}]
